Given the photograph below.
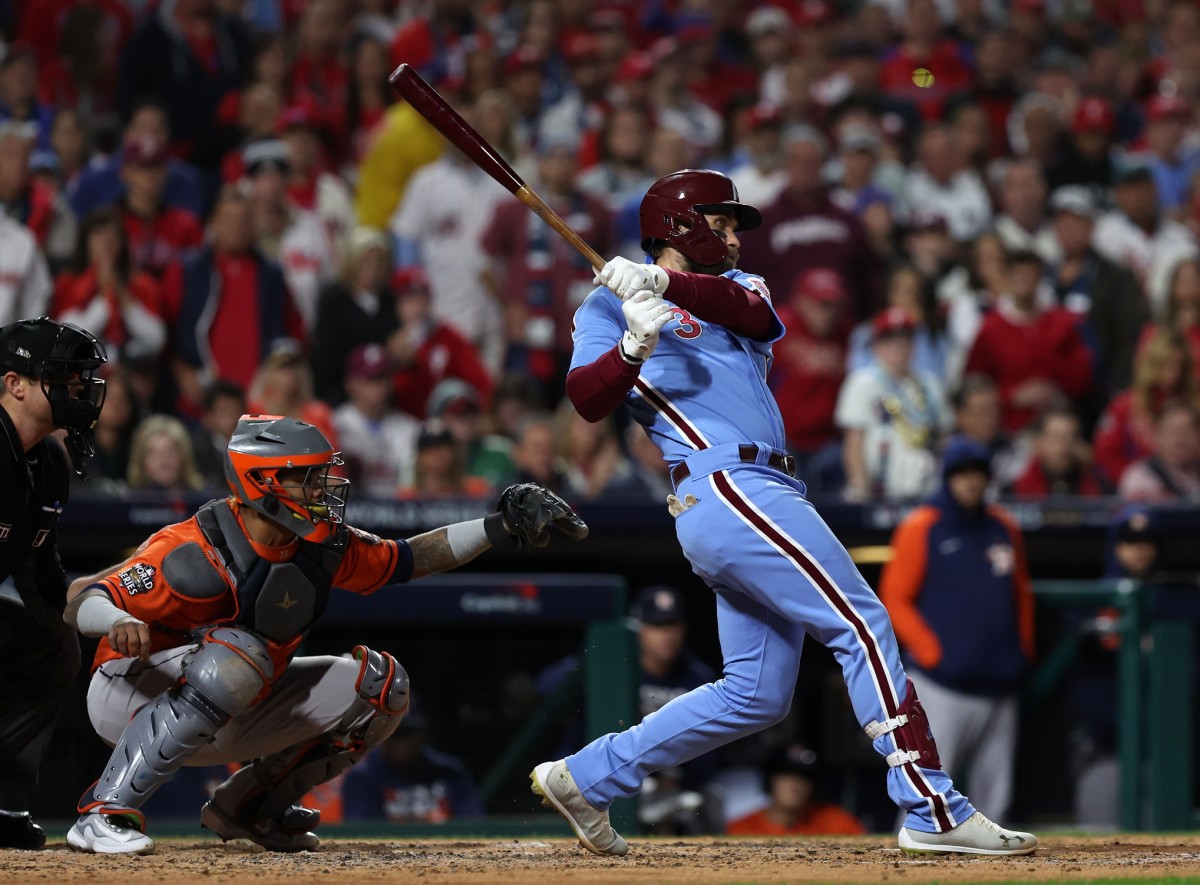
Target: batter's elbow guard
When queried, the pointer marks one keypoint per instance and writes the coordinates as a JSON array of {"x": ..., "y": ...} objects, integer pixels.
[{"x": 910, "y": 730}]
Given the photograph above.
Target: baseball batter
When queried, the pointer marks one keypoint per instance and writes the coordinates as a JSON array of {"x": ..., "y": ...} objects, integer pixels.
[
  {"x": 200, "y": 626},
  {"x": 685, "y": 342}
]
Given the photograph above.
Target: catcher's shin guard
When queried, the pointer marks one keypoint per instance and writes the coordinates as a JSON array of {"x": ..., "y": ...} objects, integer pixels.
[
  {"x": 220, "y": 679},
  {"x": 267, "y": 789},
  {"x": 910, "y": 730}
]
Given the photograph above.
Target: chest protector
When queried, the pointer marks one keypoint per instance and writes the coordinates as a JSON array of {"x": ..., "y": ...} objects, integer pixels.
[{"x": 279, "y": 601}]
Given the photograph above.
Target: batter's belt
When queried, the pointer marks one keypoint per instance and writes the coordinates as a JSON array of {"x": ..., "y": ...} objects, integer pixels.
[{"x": 747, "y": 454}]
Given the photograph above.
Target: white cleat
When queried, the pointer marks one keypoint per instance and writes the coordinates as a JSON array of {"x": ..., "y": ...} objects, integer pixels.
[
  {"x": 553, "y": 782},
  {"x": 975, "y": 835},
  {"x": 270, "y": 834},
  {"x": 106, "y": 834}
]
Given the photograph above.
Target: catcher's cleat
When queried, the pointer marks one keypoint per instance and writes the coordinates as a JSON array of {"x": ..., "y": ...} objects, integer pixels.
[
  {"x": 273, "y": 835},
  {"x": 553, "y": 782},
  {"x": 975, "y": 835},
  {"x": 98, "y": 833}
]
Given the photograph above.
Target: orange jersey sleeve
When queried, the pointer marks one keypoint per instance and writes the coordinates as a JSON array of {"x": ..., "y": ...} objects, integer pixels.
[
  {"x": 370, "y": 562},
  {"x": 1022, "y": 585},
  {"x": 139, "y": 587},
  {"x": 900, "y": 585}
]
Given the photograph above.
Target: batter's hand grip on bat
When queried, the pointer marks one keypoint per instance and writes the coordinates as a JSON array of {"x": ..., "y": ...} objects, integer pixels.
[{"x": 430, "y": 105}]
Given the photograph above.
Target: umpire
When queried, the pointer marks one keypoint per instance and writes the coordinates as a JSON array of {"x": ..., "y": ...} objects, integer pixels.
[{"x": 46, "y": 384}]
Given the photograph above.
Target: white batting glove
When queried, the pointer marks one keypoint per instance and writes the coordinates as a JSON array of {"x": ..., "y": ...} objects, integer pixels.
[
  {"x": 645, "y": 315},
  {"x": 625, "y": 277}
]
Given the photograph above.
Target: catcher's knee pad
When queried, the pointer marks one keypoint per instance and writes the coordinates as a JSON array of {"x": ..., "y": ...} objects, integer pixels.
[
  {"x": 382, "y": 686},
  {"x": 910, "y": 730},
  {"x": 220, "y": 679}
]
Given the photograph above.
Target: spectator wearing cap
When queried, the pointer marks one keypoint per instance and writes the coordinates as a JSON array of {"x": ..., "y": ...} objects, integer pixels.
[
  {"x": 714, "y": 77},
  {"x": 488, "y": 456},
  {"x": 436, "y": 41},
  {"x": 761, "y": 177},
  {"x": 536, "y": 275},
  {"x": 909, "y": 290},
  {"x": 1163, "y": 372},
  {"x": 309, "y": 186},
  {"x": 18, "y": 92},
  {"x": 631, "y": 84},
  {"x": 356, "y": 308},
  {"x": 668, "y": 669},
  {"x": 440, "y": 470},
  {"x": 158, "y": 233},
  {"x": 1171, "y": 472},
  {"x": 283, "y": 386},
  {"x": 940, "y": 182},
  {"x": 791, "y": 779},
  {"x": 1171, "y": 161},
  {"x": 426, "y": 350},
  {"x": 958, "y": 592},
  {"x": 1022, "y": 222},
  {"x": 1104, "y": 295},
  {"x": 859, "y": 147},
  {"x": 31, "y": 200},
  {"x": 1062, "y": 460},
  {"x": 189, "y": 53},
  {"x": 228, "y": 304},
  {"x": 804, "y": 229},
  {"x": 1133, "y": 543},
  {"x": 1086, "y": 155},
  {"x": 1036, "y": 355},
  {"x": 524, "y": 81},
  {"x": 100, "y": 182},
  {"x": 891, "y": 416},
  {"x": 254, "y": 119},
  {"x": 407, "y": 781},
  {"x": 103, "y": 291},
  {"x": 769, "y": 30},
  {"x": 439, "y": 225},
  {"x": 925, "y": 46},
  {"x": 378, "y": 442},
  {"x": 285, "y": 233},
  {"x": 808, "y": 371},
  {"x": 1135, "y": 234}
]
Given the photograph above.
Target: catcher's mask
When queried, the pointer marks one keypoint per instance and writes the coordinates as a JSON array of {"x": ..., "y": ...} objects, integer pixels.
[
  {"x": 63, "y": 357},
  {"x": 279, "y": 467},
  {"x": 673, "y": 210}
]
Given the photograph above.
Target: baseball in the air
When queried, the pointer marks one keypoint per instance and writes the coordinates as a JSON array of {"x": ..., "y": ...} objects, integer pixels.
[{"x": 923, "y": 77}]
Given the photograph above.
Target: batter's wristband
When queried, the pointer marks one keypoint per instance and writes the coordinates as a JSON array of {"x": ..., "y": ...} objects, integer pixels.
[{"x": 493, "y": 526}]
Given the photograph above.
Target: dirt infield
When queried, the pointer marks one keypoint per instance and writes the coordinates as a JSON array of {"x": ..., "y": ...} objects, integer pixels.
[{"x": 560, "y": 862}]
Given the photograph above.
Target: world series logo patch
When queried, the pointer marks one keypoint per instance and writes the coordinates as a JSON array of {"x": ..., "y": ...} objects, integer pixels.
[{"x": 138, "y": 578}]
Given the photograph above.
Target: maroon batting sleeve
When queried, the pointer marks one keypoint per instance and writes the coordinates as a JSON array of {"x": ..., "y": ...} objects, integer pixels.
[
  {"x": 722, "y": 301},
  {"x": 598, "y": 388}
]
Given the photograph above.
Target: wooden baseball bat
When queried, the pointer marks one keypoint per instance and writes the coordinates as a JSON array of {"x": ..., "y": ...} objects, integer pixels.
[{"x": 410, "y": 86}]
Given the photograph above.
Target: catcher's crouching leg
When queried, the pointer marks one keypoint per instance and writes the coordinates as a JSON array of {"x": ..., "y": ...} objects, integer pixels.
[
  {"x": 258, "y": 801},
  {"x": 220, "y": 679}
]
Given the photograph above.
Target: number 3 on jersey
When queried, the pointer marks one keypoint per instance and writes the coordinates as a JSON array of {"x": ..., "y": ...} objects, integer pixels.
[{"x": 688, "y": 327}]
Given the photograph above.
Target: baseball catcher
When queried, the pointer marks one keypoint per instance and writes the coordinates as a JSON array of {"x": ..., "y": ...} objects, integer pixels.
[{"x": 200, "y": 626}]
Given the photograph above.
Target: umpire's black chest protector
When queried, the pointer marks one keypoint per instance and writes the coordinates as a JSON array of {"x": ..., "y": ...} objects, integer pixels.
[{"x": 279, "y": 601}]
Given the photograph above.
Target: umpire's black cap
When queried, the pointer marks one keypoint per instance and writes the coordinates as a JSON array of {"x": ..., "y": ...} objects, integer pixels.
[{"x": 27, "y": 345}]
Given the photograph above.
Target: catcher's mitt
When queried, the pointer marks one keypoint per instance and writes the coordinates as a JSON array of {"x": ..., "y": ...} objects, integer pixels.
[{"x": 528, "y": 511}]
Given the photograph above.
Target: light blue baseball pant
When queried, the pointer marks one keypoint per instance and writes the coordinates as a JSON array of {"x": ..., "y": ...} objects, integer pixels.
[{"x": 778, "y": 573}]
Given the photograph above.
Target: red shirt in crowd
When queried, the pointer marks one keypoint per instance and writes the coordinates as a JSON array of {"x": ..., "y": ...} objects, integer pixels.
[
  {"x": 806, "y": 376},
  {"x": 234, "y": 335},
  {"x": 75, "y": 291},
  {"x": 443, "y": 354},
  {"x": 1036, "y": 483},
  {"x": 1012, "y": 352},
  {"x": 1121, "y": 437},
  {"x": 950, "y": 75},
  {"x": 155, "y": 243}
]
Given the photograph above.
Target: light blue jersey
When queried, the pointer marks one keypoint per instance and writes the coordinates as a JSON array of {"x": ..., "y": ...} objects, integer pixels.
[{"x": 703, "y": 386}]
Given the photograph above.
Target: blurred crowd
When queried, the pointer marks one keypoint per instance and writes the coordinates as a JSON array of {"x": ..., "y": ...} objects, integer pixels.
[{"x": 979, "y": 217}]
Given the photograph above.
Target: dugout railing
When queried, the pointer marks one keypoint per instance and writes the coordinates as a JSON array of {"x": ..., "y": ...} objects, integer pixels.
[{"x": 1153, "y": 694}]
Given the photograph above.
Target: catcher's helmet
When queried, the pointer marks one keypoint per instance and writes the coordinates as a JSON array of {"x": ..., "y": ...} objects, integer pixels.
[
  {"x": 63, "y": 357},
  {"x": 673, "y": 211},
  {"x": 279, "y": 467}
]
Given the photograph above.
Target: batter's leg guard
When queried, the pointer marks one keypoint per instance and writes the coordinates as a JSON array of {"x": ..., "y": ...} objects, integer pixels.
[
  {"x": 258, "y": 801},
  {"x": 221, "y": 678},
  {"x": 909, "y": 728}
]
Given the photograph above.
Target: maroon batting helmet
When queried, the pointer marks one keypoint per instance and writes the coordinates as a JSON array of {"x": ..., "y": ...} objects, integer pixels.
[{"x": 673, "y": 211}]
